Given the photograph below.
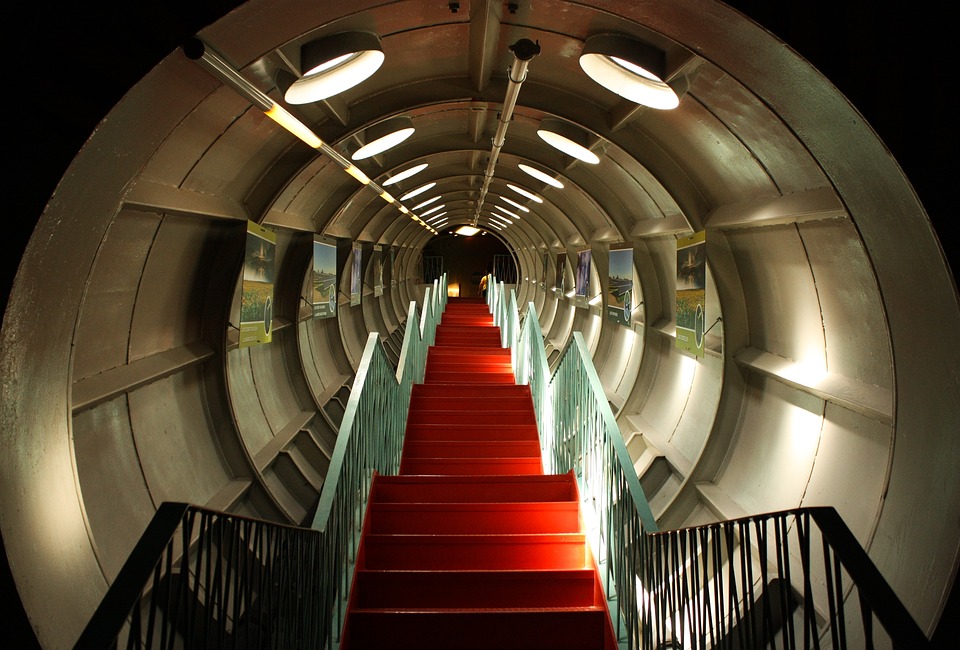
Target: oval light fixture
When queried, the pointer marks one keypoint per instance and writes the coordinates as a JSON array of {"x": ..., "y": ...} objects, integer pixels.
[
  {"x": 384, "y": 135},
  {"x": 526, "y": 193},
  {"x": 540, "y": 176},
  {"x": 568, "y": 139},
  {"x": 417, "y": 191},
  {"x": 522, "y": 208},
  {"x": 427, "y": 202},
  {"x": 507, "y": 212},
  {"x": 405, "y": 174},
  {"x": 334, "y": 64},
  {"x": 432, "y": 210},
  {"x": 629, "y": 68}
]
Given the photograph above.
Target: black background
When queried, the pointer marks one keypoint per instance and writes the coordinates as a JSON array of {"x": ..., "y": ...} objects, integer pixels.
[{"x": 64, "y": 67}]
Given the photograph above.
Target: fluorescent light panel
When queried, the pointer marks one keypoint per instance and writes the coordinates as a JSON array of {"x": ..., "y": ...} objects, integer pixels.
[
  {"x": 418, "y": 191},
  {"x": 530, "y": 195},
  {"x": 540, "y": 176}
]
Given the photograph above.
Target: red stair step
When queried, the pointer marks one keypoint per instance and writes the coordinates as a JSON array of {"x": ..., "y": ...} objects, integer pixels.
[
  {"x": 476, "y": 466},
  {"x": 479, "y": 401},
  {"x": 472, "y": 377},
  {"x": 472, "y": 489},
  {"x": 492, "y": 432},
  {"x": 564, "y": 629},
  {"x": 469, "y": 416},
  {"x": 475, "y": 589},
  {"x": 471, "y": 449},
  {"x": 476, "y": 552},
  {"x": 473, "y": 518},
  {"x": 469, "y": 390}
]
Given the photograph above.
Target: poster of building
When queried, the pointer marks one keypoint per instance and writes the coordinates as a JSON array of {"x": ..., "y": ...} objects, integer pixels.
[
  {"x": 256, "y": 299},
  {"x": 583, "y": 275},
  {"x": 620, "y": 286},
  {"x": 691, "y": 292},
  {"x": 324, "y": 294},
  {"x": 356, "y": 279},
  {"x": 377, "y": 261}
]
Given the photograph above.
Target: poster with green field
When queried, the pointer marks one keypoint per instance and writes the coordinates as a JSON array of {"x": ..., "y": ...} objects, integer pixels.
[
  {"x": 324, "y": 295},
  {"x": 256, "y": 300},
  {"x": 691, "y": 292},
  {"x": 620, "y": 286}
]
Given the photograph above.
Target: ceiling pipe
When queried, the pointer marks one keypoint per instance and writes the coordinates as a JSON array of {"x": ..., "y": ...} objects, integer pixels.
[{"x": 523, "y": 51}]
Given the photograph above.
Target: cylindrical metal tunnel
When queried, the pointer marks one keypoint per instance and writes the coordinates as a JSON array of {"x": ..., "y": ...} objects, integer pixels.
[{"x": 830, "y": 370}]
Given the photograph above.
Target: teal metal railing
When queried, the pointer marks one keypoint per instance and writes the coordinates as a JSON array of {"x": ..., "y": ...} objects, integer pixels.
[
  {"x": 786, "y": 579},
  {"x": 200, "y": 578},
  {"x": 578, "y": 432},
  {"x": 370, "y": 441}
]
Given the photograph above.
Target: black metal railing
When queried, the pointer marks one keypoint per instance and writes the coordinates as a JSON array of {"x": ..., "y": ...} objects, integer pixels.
[
  {"x": 204, "y": 579},
  {"x": 792, "y": 579}
]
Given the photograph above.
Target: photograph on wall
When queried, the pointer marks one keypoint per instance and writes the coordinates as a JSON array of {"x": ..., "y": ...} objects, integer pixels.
[
  {"x": 583, "y": 275},
  {"x": 561, "y": 271},
  {"x": 377, "y": 261},
  {"x": 394, "y": 277},
  {"x": 691, "y": 292},
  {"x": 356, "y": 280},
  {"x": 256, "y": 300},
  {"x": 324, "y": 294},
  {"x": 546, "y": 267},
  {"x": 620, "y": 287}
]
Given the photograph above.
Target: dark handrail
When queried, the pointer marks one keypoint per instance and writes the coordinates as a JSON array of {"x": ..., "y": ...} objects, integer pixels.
[{"x": 108, "y": 619}]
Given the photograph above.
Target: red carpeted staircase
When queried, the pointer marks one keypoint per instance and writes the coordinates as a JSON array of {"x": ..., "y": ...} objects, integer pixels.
[{"x": 471, "y": 546}]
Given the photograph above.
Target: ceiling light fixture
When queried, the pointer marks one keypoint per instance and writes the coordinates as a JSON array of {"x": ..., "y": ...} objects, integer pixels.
[
  {"x": 467, "y": 231},
  {"x": 568, "y": 139},
  {"x": 418, "y": 191},
  {"x": 334, "y": 64},
  {"x": 507, "y": 212},
  {"x": 436, "y": 217},
  {"x": 405, "y": 174},
  {"x": 427, "y": 202},
  {"x": 530, "y": 195},
  {"x": 629, "y": 68},
  {"x": 522, "y": 208},
  {"x": 540, "y": 176},
  {"x": 432, "y": 210},
  {"x": 384, "y": 135}
]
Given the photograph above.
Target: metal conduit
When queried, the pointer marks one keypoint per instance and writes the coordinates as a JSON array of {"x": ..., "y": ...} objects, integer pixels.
[{"x": 523, "y": 51}]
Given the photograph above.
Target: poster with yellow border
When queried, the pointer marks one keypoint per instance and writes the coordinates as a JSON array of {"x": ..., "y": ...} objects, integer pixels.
[
  {"x": 256, "y": 299},
  {"x": 691, "y": 292}
]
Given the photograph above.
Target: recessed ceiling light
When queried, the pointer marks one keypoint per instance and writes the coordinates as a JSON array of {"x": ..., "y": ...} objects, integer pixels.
[
  {"x": 432, "y": 210},
  {"x": 467, "y": 231},
  {"x": 526, "y": 193},
  {"x": 417, "y": 191},
  {"x": 629, "y": 68},
  {"x": 383, "y": 136},
  {"x": 522, "y": 208},
  {"x": 405, "y": 174},
  {"x": 427, "y": 202},
  {"x": 540, "y": 176},
  {"x": 334, "y": 64},
  {"x": 436, "y": 217},
  {"x": 505, "y": 211},
  {"x": 568, "y": 139}
]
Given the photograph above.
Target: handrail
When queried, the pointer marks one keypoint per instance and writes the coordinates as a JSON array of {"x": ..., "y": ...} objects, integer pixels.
[
  {"x": 708, "y": 585},
  {"x": 200, "y": 574}
]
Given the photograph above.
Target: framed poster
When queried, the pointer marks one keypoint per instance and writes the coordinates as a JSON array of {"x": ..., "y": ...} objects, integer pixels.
[
  {"x": 620, "y": 286},
  {"x": 691, "y": 292},
  {"x": 356, "y": 280},
  {"x": 324, "y": 294},
  {"x": 256, "y": 298},
  {"x": 561, "y": 270},
  {"x": 583, "y": 275},
  {"x": 377, "y": 261}
]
